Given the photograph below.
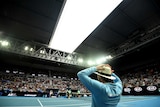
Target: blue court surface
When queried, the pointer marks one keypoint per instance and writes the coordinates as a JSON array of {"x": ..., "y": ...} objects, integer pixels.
[{"x": 126, "y": 101}]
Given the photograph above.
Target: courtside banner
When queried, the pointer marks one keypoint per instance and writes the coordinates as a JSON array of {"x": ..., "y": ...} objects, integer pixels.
[{"x": 142, "y": 90}]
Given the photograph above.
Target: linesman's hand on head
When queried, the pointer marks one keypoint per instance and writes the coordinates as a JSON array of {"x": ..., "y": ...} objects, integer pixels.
[{"x": 102, "y": 67}]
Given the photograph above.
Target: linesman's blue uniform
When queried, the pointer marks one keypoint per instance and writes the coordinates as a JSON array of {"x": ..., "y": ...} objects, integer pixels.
[{"x": 103, "y": 94}]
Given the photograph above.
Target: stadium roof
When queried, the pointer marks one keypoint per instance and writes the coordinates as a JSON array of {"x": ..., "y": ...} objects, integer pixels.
[{"x": 131, "y": 23}]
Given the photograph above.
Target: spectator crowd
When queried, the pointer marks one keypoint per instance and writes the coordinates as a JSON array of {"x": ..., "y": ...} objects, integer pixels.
[
  {"x": 15, "y": 81},
  {"x": 24, "y": 82}
]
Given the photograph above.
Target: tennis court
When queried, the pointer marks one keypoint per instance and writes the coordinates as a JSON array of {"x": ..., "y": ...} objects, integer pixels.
[{"x": 126, "y": 101}]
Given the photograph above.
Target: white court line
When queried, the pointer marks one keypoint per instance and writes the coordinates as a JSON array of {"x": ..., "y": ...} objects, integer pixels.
[{"x": 40, "y": 102}]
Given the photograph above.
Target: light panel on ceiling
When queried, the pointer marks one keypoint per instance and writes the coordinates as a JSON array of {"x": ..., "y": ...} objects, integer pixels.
[{"x": 78, "y": 19}]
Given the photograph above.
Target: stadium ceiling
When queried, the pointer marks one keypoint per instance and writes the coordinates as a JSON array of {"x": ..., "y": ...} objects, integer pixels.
[{"x": 128, "y": 28}]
